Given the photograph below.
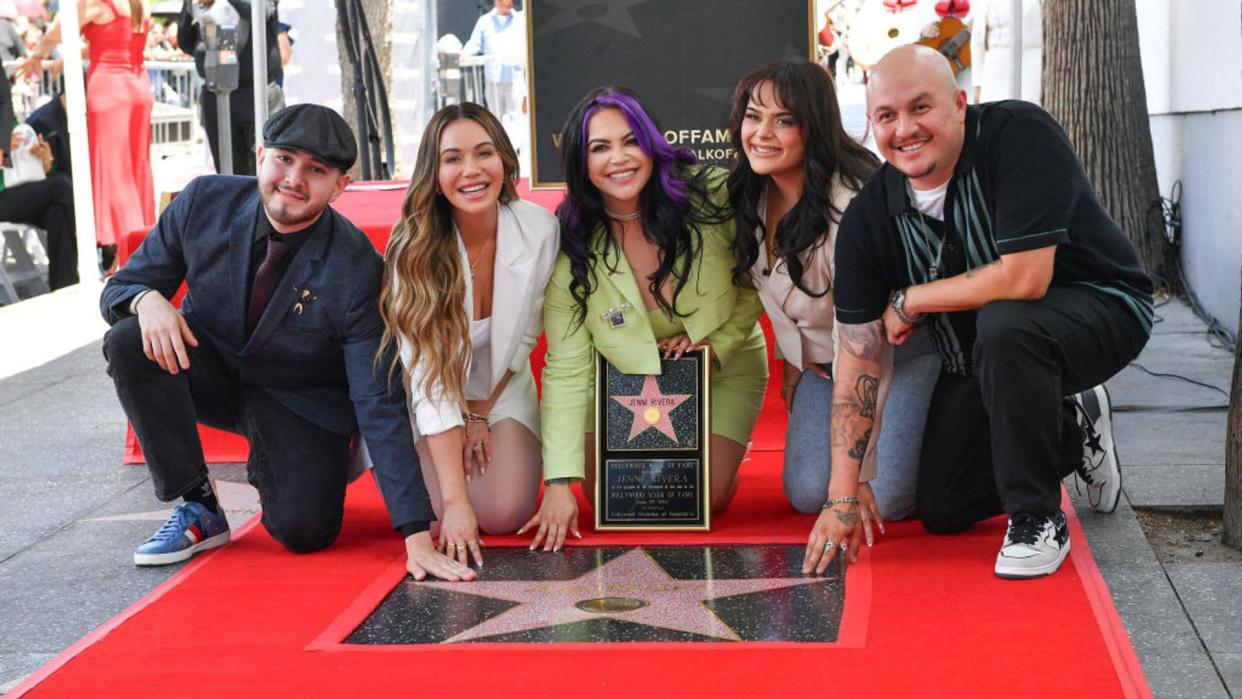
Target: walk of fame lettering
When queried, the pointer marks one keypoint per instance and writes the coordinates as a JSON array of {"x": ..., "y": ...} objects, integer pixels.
[{"x": 651, "y": 409}]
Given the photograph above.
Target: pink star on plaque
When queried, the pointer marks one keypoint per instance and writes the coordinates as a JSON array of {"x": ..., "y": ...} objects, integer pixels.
[{"x": 651, "y": 409}]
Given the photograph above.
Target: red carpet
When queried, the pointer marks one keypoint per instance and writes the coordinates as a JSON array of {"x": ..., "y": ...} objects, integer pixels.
[{"x": 924, "y": 616}]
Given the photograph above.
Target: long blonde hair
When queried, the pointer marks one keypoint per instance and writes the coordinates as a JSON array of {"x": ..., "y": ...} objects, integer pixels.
[{"x": 423, "y": 299}]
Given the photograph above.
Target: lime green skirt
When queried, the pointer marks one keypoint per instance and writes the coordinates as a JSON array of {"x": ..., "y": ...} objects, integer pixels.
[{"x": 737, "y": 389}]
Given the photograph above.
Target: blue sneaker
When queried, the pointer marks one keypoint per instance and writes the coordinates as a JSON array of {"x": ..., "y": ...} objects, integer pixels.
[{"x": 190, "y": 529}]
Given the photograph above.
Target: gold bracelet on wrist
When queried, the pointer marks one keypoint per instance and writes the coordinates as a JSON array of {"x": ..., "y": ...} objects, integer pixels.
[{"x": 474, "y": 417}]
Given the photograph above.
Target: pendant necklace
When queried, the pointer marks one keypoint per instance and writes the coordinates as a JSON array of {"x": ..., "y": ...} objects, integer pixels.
[{"x": 482, "y": 253}]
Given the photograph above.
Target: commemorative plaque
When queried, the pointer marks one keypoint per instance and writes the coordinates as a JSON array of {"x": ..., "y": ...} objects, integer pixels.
[{"x": 651, "y": 446}]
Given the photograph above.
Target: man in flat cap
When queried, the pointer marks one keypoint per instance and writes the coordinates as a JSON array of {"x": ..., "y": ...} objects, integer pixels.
[{"x": 276, "y": 340}]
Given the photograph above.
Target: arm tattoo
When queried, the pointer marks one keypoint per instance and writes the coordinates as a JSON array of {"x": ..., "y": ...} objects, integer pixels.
[
  {"x": 867, "y": 389},
  {"x": 860, "y": 445},
  {"x": 847, "y": 517},
  {"x": 842, "y": 415},
  {"x": 863, "y": 341},
  {"x": 970, "y": 273}
]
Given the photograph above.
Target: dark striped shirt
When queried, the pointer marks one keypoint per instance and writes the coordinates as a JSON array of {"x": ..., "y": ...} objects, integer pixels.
[{"x": 1017, "y": 186}]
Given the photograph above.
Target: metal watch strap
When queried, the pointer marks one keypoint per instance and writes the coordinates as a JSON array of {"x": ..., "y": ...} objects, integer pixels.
[{"x": 898, "y": 301}]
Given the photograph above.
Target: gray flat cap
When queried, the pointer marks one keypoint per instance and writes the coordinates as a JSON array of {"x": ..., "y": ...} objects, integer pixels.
[{"x": 313, "y": 129}]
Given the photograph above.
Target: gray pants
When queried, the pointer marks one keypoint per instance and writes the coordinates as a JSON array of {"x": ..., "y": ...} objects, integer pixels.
[
  {"x": 500, "y": 99},
  {"x": 808, "y": 451}
]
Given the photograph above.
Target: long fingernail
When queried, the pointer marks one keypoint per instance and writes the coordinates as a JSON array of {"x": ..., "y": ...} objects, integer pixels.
[{"x": 870, "y": 543}]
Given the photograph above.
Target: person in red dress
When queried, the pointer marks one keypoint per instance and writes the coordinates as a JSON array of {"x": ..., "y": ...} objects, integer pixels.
[{"x": 118, "y": 115}]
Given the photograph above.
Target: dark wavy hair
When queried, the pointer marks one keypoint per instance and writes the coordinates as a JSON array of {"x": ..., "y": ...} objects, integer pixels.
[
  {"x": 674, "y": 202},
  {"x": 806, "y": 90}
]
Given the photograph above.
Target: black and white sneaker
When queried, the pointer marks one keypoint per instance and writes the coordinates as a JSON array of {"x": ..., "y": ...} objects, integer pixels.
[
  {"x": 1099, "y": 469},
  {"x": 1034, "y": 546}
]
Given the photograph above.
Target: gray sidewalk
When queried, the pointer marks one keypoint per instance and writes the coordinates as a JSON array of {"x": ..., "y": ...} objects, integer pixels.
[{"x": 71, "y": 514}]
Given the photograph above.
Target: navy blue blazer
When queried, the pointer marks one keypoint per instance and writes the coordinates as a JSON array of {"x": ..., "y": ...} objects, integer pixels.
[{"x": 319, "y": 363}]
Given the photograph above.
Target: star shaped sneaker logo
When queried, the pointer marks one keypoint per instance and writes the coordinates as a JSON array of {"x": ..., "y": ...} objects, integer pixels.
[
  {"x": 651, "y": 409},
  {"x": 586, "y": 594}
]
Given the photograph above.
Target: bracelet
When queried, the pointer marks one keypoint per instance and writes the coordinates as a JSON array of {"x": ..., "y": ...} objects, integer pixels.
[
  {"x": 133, "y": 303},
  {"x": 898, "y": 302},
  {"x": 847, "y": 499},
  {"x": 474, "y": 417}
]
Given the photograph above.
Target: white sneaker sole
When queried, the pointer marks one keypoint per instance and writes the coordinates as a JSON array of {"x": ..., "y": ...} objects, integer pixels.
[
  {"x": 163, "y": 559},
  {"x": 1016, "y": 571},
  {"x": 1109, "y": 496}
]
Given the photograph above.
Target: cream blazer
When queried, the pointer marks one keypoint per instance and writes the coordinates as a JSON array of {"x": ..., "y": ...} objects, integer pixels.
[
  {"x": 803, "y": 324},
  {"x": 527, "y": 240}
]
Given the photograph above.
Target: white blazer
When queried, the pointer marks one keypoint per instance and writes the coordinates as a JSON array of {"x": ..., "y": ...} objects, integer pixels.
[{"x": 527, "y": 241}]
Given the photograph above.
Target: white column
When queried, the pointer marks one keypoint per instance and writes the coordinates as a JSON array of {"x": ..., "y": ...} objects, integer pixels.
[
  {"x": 79, "y": 145},
  {"x": 1015, "y": 65},
  {"x": 258, "y": 42}
]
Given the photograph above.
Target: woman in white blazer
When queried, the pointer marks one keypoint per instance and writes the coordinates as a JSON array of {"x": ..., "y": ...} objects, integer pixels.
[
  {"x": 796, "y": 173},
  {"x": 465, "y": 269}
]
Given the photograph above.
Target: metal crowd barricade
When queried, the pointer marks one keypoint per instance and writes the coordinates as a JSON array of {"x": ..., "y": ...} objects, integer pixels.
[
  {"x": 174, "y": 86},
  {"x": 174, "y": 116},
  {"x": 472, "y": 78}
]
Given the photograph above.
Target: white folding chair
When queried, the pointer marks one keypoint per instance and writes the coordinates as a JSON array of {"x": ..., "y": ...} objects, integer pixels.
[{"x": 17, "y": 266}]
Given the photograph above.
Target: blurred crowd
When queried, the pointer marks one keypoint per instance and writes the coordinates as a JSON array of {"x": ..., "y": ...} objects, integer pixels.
[{"x": 22, "y": 25}]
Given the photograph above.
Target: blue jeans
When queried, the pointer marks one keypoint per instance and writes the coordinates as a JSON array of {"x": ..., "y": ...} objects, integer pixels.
[{"x": 808, "y": 450}]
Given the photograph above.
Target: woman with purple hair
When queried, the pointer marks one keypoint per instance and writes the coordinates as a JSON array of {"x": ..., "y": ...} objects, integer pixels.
[{"x": 646, "y": 267}]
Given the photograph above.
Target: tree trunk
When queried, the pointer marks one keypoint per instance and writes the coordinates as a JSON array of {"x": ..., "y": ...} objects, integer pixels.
[
  {"x": 1093, "y": 85},
  {"x": 1231, "y": 533},
  {"x": 379, "y": 22}
]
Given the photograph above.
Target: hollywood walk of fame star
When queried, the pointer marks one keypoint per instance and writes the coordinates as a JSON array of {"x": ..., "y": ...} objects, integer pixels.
[
  {"x": 651, "y": 409},
  {"x": 614, "y": 14},
  {"x": 635, "y": 577}
]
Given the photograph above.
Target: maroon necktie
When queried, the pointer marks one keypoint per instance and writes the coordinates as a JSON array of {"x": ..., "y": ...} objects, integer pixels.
[{"x": 265, "y": 280}]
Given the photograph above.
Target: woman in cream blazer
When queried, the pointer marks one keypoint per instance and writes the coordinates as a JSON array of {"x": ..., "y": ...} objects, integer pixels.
[
  {"x": 796, "y": 173},
  {"x": 465, "y": 272},
  {"x": 501, "y": 455}
]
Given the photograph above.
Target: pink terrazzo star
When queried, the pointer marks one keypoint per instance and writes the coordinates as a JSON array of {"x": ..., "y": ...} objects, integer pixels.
[
  {"x": 671, "y": 604},
  {"x": 651, "y": 409}
]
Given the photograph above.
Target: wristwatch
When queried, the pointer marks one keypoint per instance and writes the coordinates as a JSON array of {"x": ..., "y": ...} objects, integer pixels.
[{"x": 898, "y": 303}]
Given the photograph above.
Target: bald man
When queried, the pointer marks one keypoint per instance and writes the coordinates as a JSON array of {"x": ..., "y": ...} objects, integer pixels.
[{"x": 983, "y": 227}]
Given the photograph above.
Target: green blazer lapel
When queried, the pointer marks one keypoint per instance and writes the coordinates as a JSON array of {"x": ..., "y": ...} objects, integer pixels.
[
  {"x": 708, "y": 298},
  {"x": 622, "y": 277}
]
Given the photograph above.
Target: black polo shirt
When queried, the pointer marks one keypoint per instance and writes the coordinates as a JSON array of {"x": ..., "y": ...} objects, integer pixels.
[{"x": 1017, "y": 186}]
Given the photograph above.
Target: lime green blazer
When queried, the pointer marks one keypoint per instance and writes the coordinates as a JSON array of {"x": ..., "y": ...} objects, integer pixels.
[{"x": 716, "y": 310}]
